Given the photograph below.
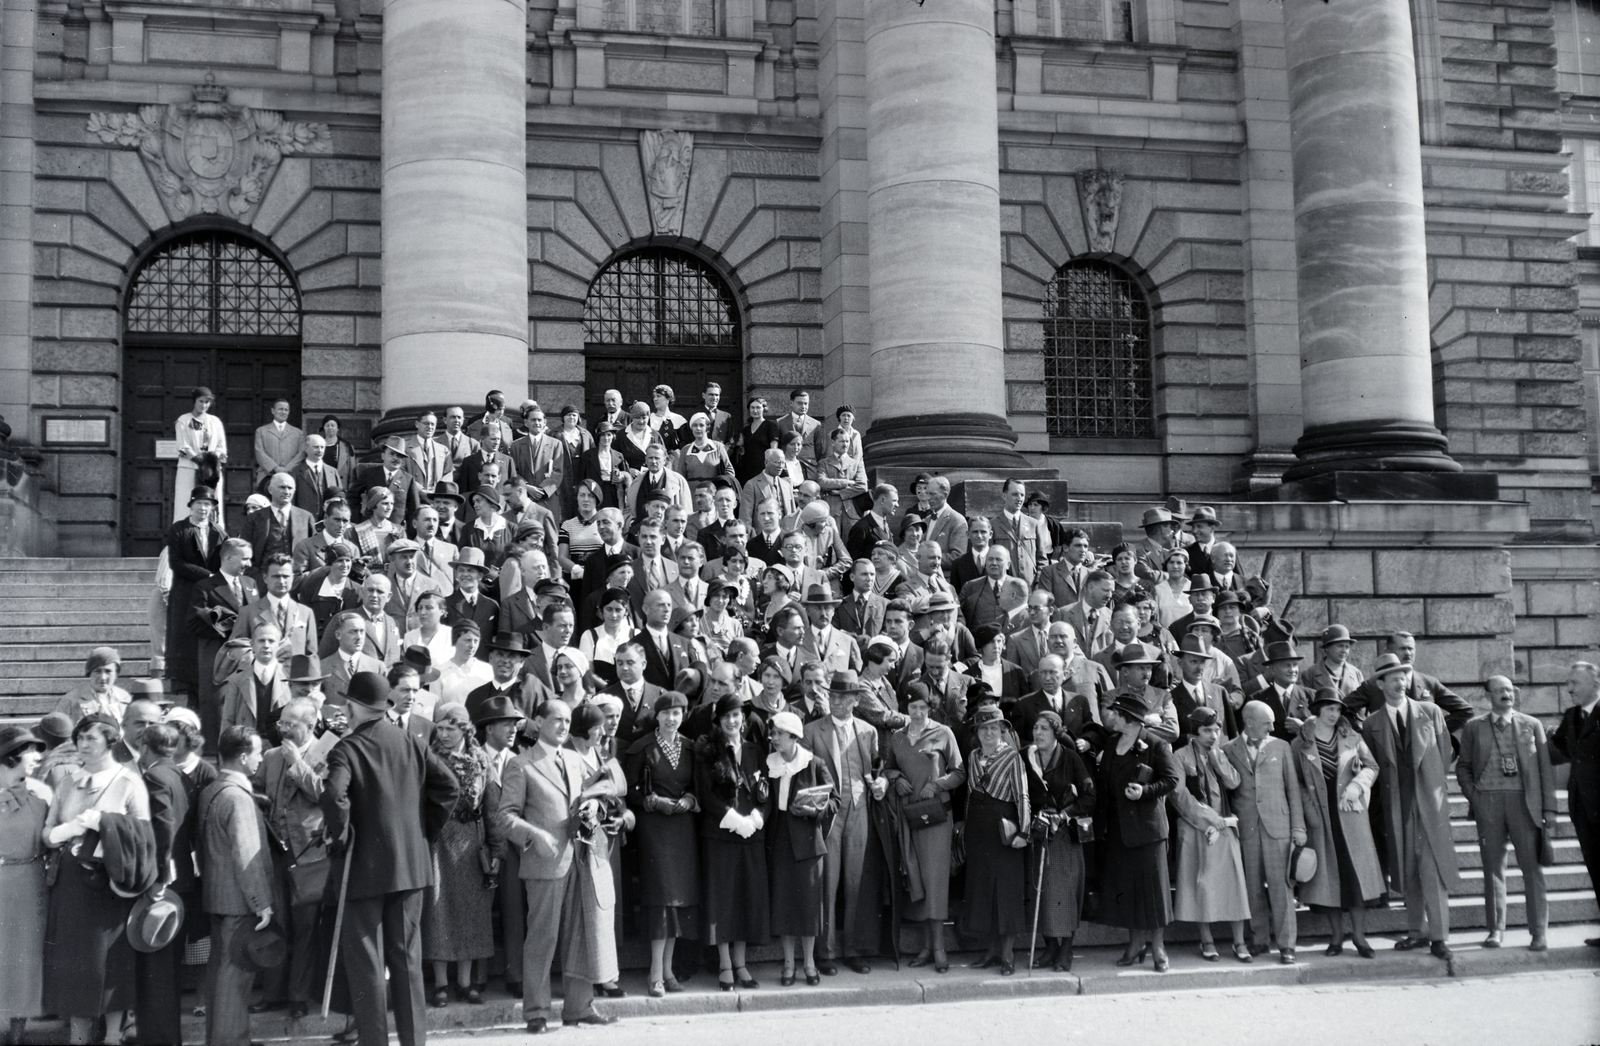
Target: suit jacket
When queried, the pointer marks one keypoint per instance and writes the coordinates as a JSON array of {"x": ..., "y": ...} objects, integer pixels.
[
  {"x": 419, "y": 727},
  {"x": 1457, "y": 709},
  {"x": 465, "y": 447},
  {"x": 392, "y": 796},
  {"x": 762, "y": 487},
  {"x": 404, "y": 608},
  {"x": 1025, "y": 542},
  {"x": 206, "y": 598},
  {"x": 1577, "y": 742},
  {"x": 1184, "y": 702},
  {"x": 239, "y": 696},
  {"x": 967, "y": 567},
  {"x": 1077, "y": 716},
  {"x": 428, "y": 463},
  {"x": 519, "y": 613},
  {"x": 236, "y": 858},
  {"x": 1286, "y": 716},
  {"x": 278, "y": 453},
  {"x": 540, "y": 462},
  {"x": 675, "y": 485},
  {"x": 1024, "y": 648},
  {"x": 861, "y": 622},
  {"x": 337, "y": 685},
  {"x": 722, "y": 424},
  {"x": 437, "y": 567},
  {"x": 637, "y": 719},
  {"x": 978, "y": 603},
  {"x": 407, "y": 495},
  {"x": 258, "y": 526},
  {"x": 301, "y": 633},
  {"x": 1430, "y": 795},
  {"x": 1013, "y": 681},
  {"x": 839, "y": 652},
  {"x": 538, "y": 799},
  {"x": 613, "y": 490},
  {"x": 383, "y": 640},
  {"x": 815, "y": 447},
  {"x": 1091, "y": 640},
  {"x": 1063, "y": 581},
  {"x": 315, "y": 484},
  {"x": 867, "y": 532},
  {"x": 293, "y": 795},
  {"x": 169, "y": 809},
  {"x": 470, "y": 470},
  {"x": 949, "y": 528},
  {"x": 662, "y": 671},
  {"x": 1533, "y": 763},
  {"x": 819, "y": 738},
  {"x": 1268, "y": 796},
  {"x": 486, "y": 613}
]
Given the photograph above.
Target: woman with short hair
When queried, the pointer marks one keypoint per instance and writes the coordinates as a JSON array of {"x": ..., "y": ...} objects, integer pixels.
[
  {"x": 923, "y": 765},
  {"x": 457, "y": 910},
  {"x": 661, "y": 770},
  {"x": 24, "y": 806}
]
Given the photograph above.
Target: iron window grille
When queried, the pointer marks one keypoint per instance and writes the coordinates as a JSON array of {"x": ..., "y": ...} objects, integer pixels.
[
  {"x": 1097, "y": 354},
  {"x": 662, "y": 298},
  {"x": 213, "y": 283}
]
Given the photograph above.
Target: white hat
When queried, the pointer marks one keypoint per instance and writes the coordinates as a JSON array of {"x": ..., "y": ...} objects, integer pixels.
[{"x": 788, "y": 722}]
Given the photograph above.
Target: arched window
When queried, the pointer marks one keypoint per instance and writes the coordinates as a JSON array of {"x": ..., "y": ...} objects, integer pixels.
[
  {"x": 1097, "y": 354},
  {"x": 213, "y": 283},
  {"x": 660, "y": 316}
]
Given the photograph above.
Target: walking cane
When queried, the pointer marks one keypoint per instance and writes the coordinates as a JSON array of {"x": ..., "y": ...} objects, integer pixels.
[
  {"x": 1038, "y": 901},
  {"x": 338, "y": 924}
]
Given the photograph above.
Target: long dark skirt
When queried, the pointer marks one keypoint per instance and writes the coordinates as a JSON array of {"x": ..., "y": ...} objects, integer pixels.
[
  {"x": 734, "y": 881},
  {"x": 89, "y": 967},
  {"x": 1136, "y": 891},
  {"x": 1061, "y": 901},
  {"x": 996, "y": 873},
  {"x": 796, "y": 884},
  {"x": 1349, "y": 882}
]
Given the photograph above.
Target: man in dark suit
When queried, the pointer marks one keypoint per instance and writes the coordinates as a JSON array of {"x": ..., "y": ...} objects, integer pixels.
[
  {"x": 467, "y": 603},
  {"x": 194, "y": 551},
  {"x": 279, "y": 526},
  {"x": 405, "y": 678},
  {"x": 506, "y": 654},
  {"x": 1289, "y": 701},
  {"x": 815, "y": 447},
  {"x": 392, "y": 474},
  {"x": 1192, "y": 691},
  {"x": 1577, "y": 742},
  {"x": 1510, "y": 787},
  {"x": 989, "y": 599},
  {"x": 469, "y": 473},
  {"x": 1064, "y": 579},
  {"x": 722, "y": 425},
  {"x": 861, "y": 612},
  {"x": 1077, "y": 716},
  {"x": 1422, "y": 687},
  {"x": 969, "y": 566},
  {"x": 873, "y": 526},
  {"x": 557, "y": 623},
  {"x": 666, "y": 652},
  {"x": 348, "y": 659},
  {"x": 214, "y": 605},
  {"x": 638, "y": 694},
  {"x": 385, "y": 801},
  {"x": 315, "y": 481},
  {"x": 160, "y": 1019}
]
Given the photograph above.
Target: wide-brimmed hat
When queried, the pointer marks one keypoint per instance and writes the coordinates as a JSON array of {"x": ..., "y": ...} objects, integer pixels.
[
  {"x": 1283, "y": 652},
  {"x": 1190, "y": 644},
  {"x": 1336, "y": 634},
  {"x": 419, "y": 657},
  {"x": 305, "y": 668},
  {"x": 470, "y": 557},
  {"x": 261, "y": 950},
  {"x": 1134, "y": 654},
  {"x": 1303, "y": 864},
  {"x": 396, "y": 444},
  {"x": 16, "y": 738},
  {"x": 1204, "y": 514},
  {"x": 509, "y": 642},
  {"x": 444, "y": 490},
  {"x": 497, "y": 708},
  {"x": 370, "y": 689},
  {"x": 1154, "y": 517},
  {"x": 152, "y": 925},
  {"x": 941, "y": 600},
  {"x": 846, "y": 681},
  {"x": 820, "y": 595},
  {"x": 489, "y": 494},
  {"x": 202, "y": 494},
  {"x": 1388, "y": 663}
]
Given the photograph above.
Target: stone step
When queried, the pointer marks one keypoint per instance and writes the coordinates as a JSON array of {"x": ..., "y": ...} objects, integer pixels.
[
  {"x": 76, "y": 578},
  {"x": 110, "y": 589},
  {"x": 85, "y": 636},
  {"x": 1561, "y": 877},
  {"x": 117, "y": 603},
  {"x": 62, "y": 673},
  {"x": 89, "y": 563},
  {"x": 1468, "y": 855},
  {"x": 97, "y": 620},
  {"x": 68, "y": 651}
]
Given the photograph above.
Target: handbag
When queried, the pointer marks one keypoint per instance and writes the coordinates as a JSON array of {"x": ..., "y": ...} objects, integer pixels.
[
  {"x": 925, "y": 813},
  {"x": 1008, "y": 831}
]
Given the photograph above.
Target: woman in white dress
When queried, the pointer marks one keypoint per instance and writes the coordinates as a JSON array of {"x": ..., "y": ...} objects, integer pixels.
[
  {"x": 430, "y": 631},
  {"x": 199, "y": 432},
  {"x": 462, "y": 672}
]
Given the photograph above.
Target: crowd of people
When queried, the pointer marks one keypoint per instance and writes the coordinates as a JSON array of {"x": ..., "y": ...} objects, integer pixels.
[{"x": 665, "y": 678}]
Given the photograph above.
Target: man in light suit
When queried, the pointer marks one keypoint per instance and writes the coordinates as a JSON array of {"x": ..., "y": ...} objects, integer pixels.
[
  {"x": 348, "y": 659},
  {"x": 1019, "y": 533},
  {"x": 433, "y": 562},
  {"x": 540, "y": 796},
  {"x": 280, "y": 526},
  {"x": 944, "y": 524},
  {"x": 770, "y": 484},
  {"x": 457, "y": 444},
  {"x": 406, "y": 582},
  {"x": 382, "y": 634},
  {"x": 426, "y": 460},
  {"x": 832, "y": 646},
  {"x": 1064, "y": 579},
  {"x": 1090, "y": 617},
  {"x": 1411, "y": 742},
  {"x": 237, "y": 886},
  {"x": 1510, "y": 787},
  {"x": 1267, "y": 803},
  {"x": 851, "y": 748},
  {"x": 315, "y": 481},
  {"x": 538, "y": 459},
  {"x": 255, "y": 695},
  {"x": 279, "y": 445},
  {"x": 297, "y": 625}
]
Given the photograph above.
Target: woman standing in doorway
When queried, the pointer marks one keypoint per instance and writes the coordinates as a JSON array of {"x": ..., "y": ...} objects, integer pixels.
[{"x": 199, "y": 433}]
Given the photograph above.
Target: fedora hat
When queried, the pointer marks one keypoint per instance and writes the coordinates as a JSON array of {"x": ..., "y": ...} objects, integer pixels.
[
  {"x": 261, "y": 950},
  {"x": 941, "y": 600},
  {"x": 1201, "y": 583},
  {"x": 202, "y": 494},
  {"x": 419, "y": 658},
  {"x": 1134, "y": 654},
  {"x": 1336, "y": 634},
  {"x": 1155, "y": 517},
  {"x": 509, "y": 642},
  {"x": 1388, "y": 663},
  {"x": 444, "y": 490},
  {"x": 496, "y": 709},
  {"x": 1190, "y": 644},
  {"x": 396, "y": 444},
  {"x": 305, "y": 668},
  {"x": 470, "y": 557},
  {"x": 1303, "y": 864},
  {"x": 15, "y": 738},
  {"x": 1204, "y": 514},
  {"x": 152, "y": 925},
  {"x": 820, "y": 595},
  {"x": 370, "y": 689},
  {"x": 1283, "y": 652},
  {"x": 846, "y": 682},
  {"x": 1206, "y": 621}
]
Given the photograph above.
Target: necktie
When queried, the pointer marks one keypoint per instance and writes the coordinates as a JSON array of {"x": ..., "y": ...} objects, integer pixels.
[
  {"x": 997, "y": 591},
  {"x": 350, "y": 668},
  {"x": 838, "y": 761},
  {"x": 238, "y": 595},
  {"x": 455, "y": 445},
  {"x": 283, "y": 618}
]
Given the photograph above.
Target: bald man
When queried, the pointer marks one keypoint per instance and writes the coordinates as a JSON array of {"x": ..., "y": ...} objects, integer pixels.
[
  {"x": 140, "y": 715},
  {"x": 1271, "y": 819},
  {"x": 1505, "y": 773}
]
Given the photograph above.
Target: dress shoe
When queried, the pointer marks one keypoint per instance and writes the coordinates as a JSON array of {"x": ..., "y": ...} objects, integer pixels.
[
  {"x": 1259, "y": 949},
  {"x": 1208, "y": 952},
  {"x": 1492, "y": 941},
  {"x": 1407, "y": 943},
  {"x": 593, "y": 1020},
  {"x": 858, "y": 965},
  {"x": 1007, "y": 968},
  {"x": 827, "y": 969},
  {"x": 1161, "y": 963},
  {"x": 1286, "y": 957},
  {"x": 1592, "y": 942},
  {"x": 265, "y": 1006},
  {"x": 536, "y": 1026},
  {"x": 742, "y": 978},
  {"x": 298, "y": 1010},
  {"x": 1242, "y": 953},
  {"x": 673, "y": 986},
  {"x": 612, "y": 992},
  {"x": 813, "y": 978},
  {"x": 1539, "y": 945},
  {"x": 440, "y": 999},
  {"x": 941, "y": 962},
  {"x": 1440, "y": 950},
  {"x": 656, "y": 990},
  {"x": 984, "y": 963}
]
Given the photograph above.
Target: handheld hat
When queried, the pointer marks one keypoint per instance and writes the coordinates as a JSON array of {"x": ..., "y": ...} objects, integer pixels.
[
  {"x": 152, "y": 925},
  {"x": 1303, "y": 864},
  {"x": 788, "y": 722},
  {"x": 371, "y": 690},
  {"x": 820, "y": 595},
  {"x": 261, "y": 950},
  {"x": 471, "y": 557},
  {"x": 509, "y": 642},
  {"x": 202, "y": 494},
  {"x": 1155, "y": 517},
  {"x": 496, "y": 709},
  {"x": 305, "y": 668}
]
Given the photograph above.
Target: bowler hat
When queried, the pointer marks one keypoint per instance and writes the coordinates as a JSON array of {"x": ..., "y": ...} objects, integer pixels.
[
  {"x": 444, "y": 490},
  {"x": 496, "y": 709},
  {"x": 509, "y": 642},
  {"x": 202, "y": 494},
  {"x": 1283, "y": 652},
  {"x": 1335, "y": 634},
  {"x": 396, "y": 444},
  {"x": 1388, "y": 663},
  {"x": 470, "y": 557},
  {"x": 261, "y": 949},
  {"x": 152, "y": 925},
  {"x": 305, "y": 668},
  {"x": 820, "y": 596},
  {"x": 370, "y": 689},
  {"x": 15, "y": 738},
  {"x": 419, "y": 657},
  {"x": 1155, "y": 517}
]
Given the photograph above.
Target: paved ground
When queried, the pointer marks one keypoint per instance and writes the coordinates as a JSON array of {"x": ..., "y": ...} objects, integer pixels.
[{"x": 1557, "y": 1008}]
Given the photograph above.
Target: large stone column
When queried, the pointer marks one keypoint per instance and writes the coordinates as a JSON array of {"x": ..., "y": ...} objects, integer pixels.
[
  {"x": 933, "y": 235},
  {"x": 455, "y": 211},
  {"x": 1366, "y": 376}
]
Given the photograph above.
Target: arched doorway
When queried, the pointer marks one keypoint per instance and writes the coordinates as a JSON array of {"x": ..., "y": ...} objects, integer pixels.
[
  {"x": 661, "y": 316},
  {"x": 212, "y": 308}
]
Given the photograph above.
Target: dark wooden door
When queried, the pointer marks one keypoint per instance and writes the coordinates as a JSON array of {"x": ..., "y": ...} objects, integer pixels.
[
  {"x": 636, "y": 373},
  {"x": 157, "y": 381}
]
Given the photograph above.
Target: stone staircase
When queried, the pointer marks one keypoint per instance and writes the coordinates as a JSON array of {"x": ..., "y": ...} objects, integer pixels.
[{"x": 54, "y": 611}]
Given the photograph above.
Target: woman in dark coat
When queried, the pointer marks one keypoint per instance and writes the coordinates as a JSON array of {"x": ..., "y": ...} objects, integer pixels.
[
  {"x": 996, "y": 839},
  {"x": 731, "y": 783},
  {"x": 1136, "y": 774},
  {"x": 660, "y": 769},
  {"x": 603, "y": 464},
  {"x": 751, "y": 443},
  {"x": 804, "y": 800},
  {"x": 190, "y": 565},
  {"x": 334, "y": 576},
  {"x": 1060, "y": 790}
]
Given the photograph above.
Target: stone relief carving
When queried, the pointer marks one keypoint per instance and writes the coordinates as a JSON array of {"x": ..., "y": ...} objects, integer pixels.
[
  {"x": 666, "y": 157},
  {"x": 1100, "y": 192},
  {"x": 206, "y": 156}
]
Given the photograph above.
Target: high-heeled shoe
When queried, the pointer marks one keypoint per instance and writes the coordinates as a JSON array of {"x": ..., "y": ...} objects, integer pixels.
[
  {"x": 813, "y": 978},
  {"x": 673, "y": 986},
  {"x": 984, "y": 963},
  {"x": 1132, "y": 958},
  {"x": 1007, "y": 968},
  {"x": 941, "y": 962},
  {"x": 1335, "y": 947},
  {"x": 1160, "y": 962},
  {"x": 725, "y": 985},
  {"x": 1241, "y": 951},
  {"x": 656, "y": 990},
  {"x": 786, "y": 978},
  {"x": 1365, "y": 951},
  {"x": 746, "y": 981},
  {"x": 1208, "y": 952}
]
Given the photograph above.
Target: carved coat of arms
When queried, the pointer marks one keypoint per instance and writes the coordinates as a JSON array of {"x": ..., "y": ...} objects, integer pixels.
[
  {"x": 206, "y": 156},
  {"x": 667, "y": 157}
]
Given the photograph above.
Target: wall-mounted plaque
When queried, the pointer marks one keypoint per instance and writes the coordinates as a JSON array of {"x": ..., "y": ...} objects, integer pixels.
[{"x": 77, "y": 432}]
